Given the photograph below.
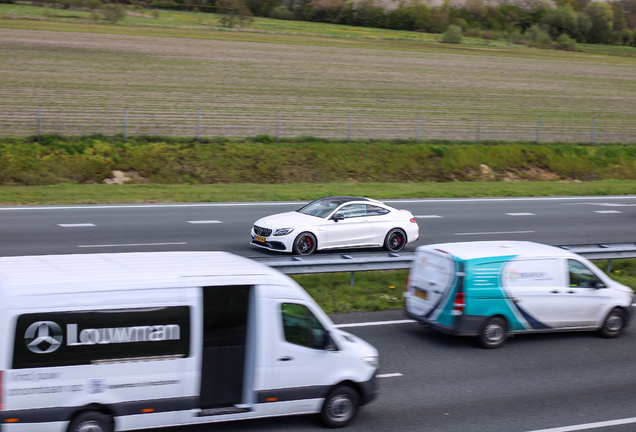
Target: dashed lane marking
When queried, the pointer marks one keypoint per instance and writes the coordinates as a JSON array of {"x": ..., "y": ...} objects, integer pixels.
[
  {"x": 76, "y": 225},
  {"x": 131, "y": 244},
  {"x": 205, "y": 222},
  {"x": 375, "y": 323}
]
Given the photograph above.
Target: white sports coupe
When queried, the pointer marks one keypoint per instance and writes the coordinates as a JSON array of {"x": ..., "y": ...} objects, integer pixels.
[{"x": 336, "y": 222}]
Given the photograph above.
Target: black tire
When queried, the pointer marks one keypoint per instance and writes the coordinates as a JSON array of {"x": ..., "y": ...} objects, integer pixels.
[
  {"x": 395, "y": 240},
  {"x": 494, "y": 333},
  {"x": 614, "y": 323},
  {"x": 340, "y": 407},
  {"x": 305, "y": 244},
  {"x": 92, "y": 421}
]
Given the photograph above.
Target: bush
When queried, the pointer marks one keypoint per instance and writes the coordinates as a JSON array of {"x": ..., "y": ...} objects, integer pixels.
[
  {"x": 452, "y": 35},
  {"x": 113, "y": 12},
  {"x": 565, "y": 43},
  {"x": 516, "y": 37}
]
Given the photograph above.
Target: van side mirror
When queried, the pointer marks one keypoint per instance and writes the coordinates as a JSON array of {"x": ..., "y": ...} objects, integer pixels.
[
  {"x": 598, "y": 284},
  {"x": 338, "y": 217},
  {"x": 321, "y": 339}
]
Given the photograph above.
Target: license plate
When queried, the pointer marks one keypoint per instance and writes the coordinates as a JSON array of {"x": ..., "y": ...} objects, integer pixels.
[
  {"x": 421, "y": 294},
  {"x": 259, "y": 239}
]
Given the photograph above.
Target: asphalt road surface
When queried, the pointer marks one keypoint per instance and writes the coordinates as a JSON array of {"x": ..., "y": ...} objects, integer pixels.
[{"x": 226, "y": 226}]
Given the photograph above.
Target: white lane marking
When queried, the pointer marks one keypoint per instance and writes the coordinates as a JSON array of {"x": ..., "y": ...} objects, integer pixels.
[
  {"x": 609, "y": 204},
  {"x": 375, "y": 323},
  {"x": 495, "y": 232},
  {"x": 428, "y": 216},
  {"x": 589, "y": 425},
  {"x": 205, "y": 222},
  {"x": 607, "y": 211},
  {"x": 283, "y": 203},
  {"x": 389, "y": 375},
  {"x": 131, "y": 244},
  {"x": 521, "y": 214},
  {"x": 76, "y": 225}
]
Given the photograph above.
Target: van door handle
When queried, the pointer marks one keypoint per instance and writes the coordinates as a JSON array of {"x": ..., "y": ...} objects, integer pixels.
[
  {"x": 571, "y": 292},
  {"x": 286, "y": 358},
  {"x": 554, "y": 292}
]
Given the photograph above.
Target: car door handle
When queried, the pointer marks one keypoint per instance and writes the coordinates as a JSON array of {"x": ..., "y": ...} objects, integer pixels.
[{"x": 286, "y": 358}]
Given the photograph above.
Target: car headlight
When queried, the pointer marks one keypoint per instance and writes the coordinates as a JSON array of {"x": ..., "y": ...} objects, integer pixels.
[
  {"x": 374, "y": 362},
  {"x": 283, "y": 231}
]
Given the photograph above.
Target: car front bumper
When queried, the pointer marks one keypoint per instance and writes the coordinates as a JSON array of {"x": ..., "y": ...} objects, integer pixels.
[{"x": 274, "y": 243}]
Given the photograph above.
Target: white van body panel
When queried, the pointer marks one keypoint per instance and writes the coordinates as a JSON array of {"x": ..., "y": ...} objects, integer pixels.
[{"x": 83, "y": 302}]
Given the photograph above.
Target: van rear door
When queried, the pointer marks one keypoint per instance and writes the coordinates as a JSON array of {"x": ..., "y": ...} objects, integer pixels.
[{"x": 431, "y": 278}]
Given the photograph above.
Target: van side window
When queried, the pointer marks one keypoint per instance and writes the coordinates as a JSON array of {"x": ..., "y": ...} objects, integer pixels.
[
  {"x": 581, "y": 276},
  {"x": 301, "y": 327}
]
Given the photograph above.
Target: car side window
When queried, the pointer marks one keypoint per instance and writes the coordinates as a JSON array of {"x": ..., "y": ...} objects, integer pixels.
[
  {"x": 301, "y": 327},
  {"x": 582, "y": 277},
  {"x": 353, "y": 210},
  {"x": 376, "y": 211}
]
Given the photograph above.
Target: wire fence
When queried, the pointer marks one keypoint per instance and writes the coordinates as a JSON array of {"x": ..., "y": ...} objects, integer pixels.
[{"x": 344, "y": 124}]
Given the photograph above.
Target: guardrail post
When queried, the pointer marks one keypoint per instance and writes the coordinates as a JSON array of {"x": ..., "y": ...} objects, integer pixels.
[
  {"x": 609, "y": 266},
  {"x": 352, "y": 278}
]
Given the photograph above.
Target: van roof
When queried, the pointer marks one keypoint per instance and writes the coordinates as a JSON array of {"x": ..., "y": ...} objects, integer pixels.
[
  {"x": 79, "y": 272},
  {"x": 481, "y": 249}
]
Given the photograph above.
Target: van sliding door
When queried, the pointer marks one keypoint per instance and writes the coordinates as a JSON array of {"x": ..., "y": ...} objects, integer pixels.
[{"x": 225, "y": 317}]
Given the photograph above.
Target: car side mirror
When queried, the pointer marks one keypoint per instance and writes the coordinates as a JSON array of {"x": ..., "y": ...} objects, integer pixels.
[{"x": 338, "y": 217}]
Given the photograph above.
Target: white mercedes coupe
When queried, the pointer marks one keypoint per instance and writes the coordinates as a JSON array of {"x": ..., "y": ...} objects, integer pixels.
[{"x": 336, "y": 222}]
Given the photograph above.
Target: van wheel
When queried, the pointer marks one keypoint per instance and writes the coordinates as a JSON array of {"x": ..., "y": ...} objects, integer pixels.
[
  {"x": 305, "y": 244},
  {"x": 92, "y": 421},
  {"x": 494, "y": 333},
  {"x": 339, "y": 407},
  {"x": 614, "y": 323}
]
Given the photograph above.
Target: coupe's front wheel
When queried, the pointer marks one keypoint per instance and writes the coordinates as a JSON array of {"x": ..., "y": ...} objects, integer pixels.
[
  {"x": 305, "y": 244},
  {"x": 395, "y": 240}
]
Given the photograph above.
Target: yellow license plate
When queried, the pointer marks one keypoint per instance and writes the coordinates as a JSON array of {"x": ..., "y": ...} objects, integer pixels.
[
  {"x": 421, "y": 294},
  {"x": 259, "y": 239}
]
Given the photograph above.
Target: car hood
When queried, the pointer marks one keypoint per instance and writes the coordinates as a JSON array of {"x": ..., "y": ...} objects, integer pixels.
[{"x": 287, "y": 220}]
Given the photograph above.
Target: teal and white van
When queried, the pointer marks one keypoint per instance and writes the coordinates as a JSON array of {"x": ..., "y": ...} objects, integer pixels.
[{"x": 493, "y": 289}]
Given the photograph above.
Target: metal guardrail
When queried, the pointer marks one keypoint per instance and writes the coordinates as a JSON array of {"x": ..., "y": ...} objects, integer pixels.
[{"x": 374, "y": 261}]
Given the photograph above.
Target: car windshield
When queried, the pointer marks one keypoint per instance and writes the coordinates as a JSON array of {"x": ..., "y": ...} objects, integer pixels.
[{"x": 323, "y": 207}]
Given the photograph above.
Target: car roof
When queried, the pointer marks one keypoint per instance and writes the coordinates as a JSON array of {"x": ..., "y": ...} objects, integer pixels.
[
  {"x": 345, "y": 199},
  {"x": 484, "y": 249}
]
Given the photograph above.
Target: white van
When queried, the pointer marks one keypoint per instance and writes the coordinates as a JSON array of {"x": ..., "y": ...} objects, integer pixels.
[
  {"x": 127, "y": 341},
  {"x": 492, "y": 289}
]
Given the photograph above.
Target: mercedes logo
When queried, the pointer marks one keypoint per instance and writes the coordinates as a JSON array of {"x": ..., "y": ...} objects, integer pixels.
[{"x": 43, "y": 337}]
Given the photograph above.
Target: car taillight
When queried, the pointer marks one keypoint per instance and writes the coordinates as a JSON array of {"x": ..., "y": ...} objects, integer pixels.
[
  {"x": 459, "y": 304},
  {"x": 413, "y": 220}
]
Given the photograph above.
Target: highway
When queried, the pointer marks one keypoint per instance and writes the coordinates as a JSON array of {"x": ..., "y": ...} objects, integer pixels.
[
  {"x": 225, "y": 226},
  {"x": 430, "y": 382}
]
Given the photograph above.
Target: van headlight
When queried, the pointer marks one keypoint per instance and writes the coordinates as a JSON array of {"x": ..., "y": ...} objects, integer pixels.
[
  {"x": 283, "y": 231},
  {"x": 374, "y": 361}
]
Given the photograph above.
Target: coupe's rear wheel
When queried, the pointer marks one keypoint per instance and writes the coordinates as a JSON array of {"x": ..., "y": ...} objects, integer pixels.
[
  {"x": 305, "y": 244},
  {"x": 395, "y": 240},
  {"x": 614, "y": 323}
]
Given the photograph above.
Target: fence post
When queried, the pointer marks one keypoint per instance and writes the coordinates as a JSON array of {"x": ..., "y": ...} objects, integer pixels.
[
  {"x": 349, "y": 129},
  {"x": 126, "y": 125},
  {"x": 198, "y": 126},
  {"x": 478, "y": 128},
  {"x": 593, "y": 130},
  {"x": 538, "y": 129},
  {"x": 417, "y": 130},
  {"x": 39, "y": 121},
  {"x": 277, "y": 126}
]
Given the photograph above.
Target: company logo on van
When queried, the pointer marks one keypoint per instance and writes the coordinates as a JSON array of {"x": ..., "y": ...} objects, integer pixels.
[
  {"x": 148, "y": 333},
  {"x": 43, "y": 337}
]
